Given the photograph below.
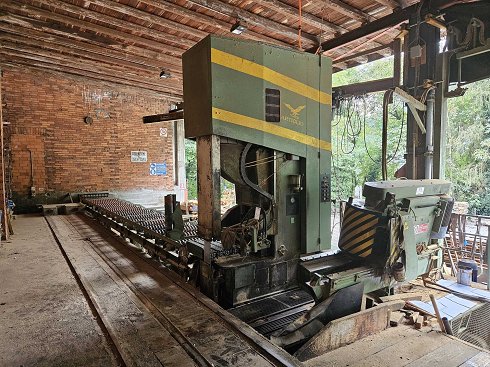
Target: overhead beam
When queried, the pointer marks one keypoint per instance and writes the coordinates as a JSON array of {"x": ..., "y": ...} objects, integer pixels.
[
  {"x": 147, "y": 17},
  {"x": 164, "y": 36},
  {"x": 26, "y": 44},
  {"x": 388, "y": 21},
  {"x": 255, "y": 20},
  {"x": 86, "y": 67},
  {"x": 348, "y": 10},
  {"x": 32, "y": 12},
  {"x": 393, "y": 4},
  {"x": 54, "y": 31},
  {"x": 362, "y": 53},
  {"x": 307, "y": 18},
  {"x": 32, "y": 36},
  {"x": 365, "y": 87},
  {"x": 209, "y": 21},
  {"x": 46, "y": 67}
]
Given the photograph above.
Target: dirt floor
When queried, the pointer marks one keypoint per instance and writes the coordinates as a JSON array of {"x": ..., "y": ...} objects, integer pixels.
[{"x": 44, "y": 318}]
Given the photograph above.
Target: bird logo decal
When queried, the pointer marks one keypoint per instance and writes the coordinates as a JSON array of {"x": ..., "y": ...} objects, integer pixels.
[{"x": 294, "y": 111}]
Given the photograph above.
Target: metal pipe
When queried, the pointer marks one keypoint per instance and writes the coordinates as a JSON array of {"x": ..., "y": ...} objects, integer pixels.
[
  {"x": 488, "y": 264},
  {"x": 429, "y": 126},
  {"x": 384, "y": 140}
]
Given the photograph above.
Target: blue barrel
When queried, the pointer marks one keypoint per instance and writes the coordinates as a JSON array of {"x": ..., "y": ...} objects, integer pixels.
[{"x": 472, "y": 265}]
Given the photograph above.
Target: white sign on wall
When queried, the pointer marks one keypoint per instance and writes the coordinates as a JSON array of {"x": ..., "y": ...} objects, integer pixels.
[
  {"x": 139, "y": 156},
  {"x": 163, "y": 132}
]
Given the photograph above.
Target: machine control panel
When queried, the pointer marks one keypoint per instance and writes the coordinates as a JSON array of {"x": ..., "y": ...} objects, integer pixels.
[{"x": 325, "y": 188}]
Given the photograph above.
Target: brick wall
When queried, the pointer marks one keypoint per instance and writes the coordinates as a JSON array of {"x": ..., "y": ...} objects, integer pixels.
[{"x": 46, "y": 129}]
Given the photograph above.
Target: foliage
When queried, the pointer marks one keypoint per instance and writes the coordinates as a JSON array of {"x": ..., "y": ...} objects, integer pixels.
[
  {"x": 356, "y": 132},
  {"x": 468, "y": 147},
  {"x": 191, "y": 168}
]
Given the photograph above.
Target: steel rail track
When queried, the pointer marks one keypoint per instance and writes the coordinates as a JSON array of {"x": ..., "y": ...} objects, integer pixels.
[{"x": 138, "y": 235}]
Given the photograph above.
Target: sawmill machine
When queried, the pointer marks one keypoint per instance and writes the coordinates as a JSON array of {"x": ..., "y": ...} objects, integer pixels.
[{"x": 261, "y": 117}]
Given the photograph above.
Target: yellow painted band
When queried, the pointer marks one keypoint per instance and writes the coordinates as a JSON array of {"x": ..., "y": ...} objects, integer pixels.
[
  {"x": 267, "y": 127},
  {"x": 367, "y": 253},
  {"x": 259, "y": 71},
  {"x": 364, "y": 246}
]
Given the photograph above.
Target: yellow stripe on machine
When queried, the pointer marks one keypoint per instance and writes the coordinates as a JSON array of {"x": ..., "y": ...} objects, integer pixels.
[
  {"x": 267, "y": 127},
  {"x": 369, "y": 227},
  {"x": 259, "y": 71},
  {"x": 364, "y": 246}
]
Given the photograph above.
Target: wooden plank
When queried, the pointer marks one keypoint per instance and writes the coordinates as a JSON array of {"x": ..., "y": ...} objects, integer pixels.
[
  {"x": 450, "y": 354},
  {"x": 208, "y": 181},
  {"x": 395, "y": 346},
  {"x": 348, "y": 329},
  {"x": 481, "y": 359},
  {"x": 3, "y": 195}
]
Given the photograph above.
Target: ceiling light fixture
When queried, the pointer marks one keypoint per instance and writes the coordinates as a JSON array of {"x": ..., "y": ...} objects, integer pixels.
[
  {"x": 165, "y": 74},
  {"x": 237, "y": 28}
]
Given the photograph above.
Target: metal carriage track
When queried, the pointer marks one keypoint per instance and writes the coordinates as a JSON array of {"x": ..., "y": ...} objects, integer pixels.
[{"x": 198, "y": 328}]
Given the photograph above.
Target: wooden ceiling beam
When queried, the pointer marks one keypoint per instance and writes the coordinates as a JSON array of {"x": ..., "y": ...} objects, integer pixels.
[
  {"x": 38, "y": 66},
  {"x": 210, "y": 21},
  {"x": 371, "y": 51},
  {"x": 31, "y": 36},
  {"x": 90, "y": 67},
  {"x": 147, "y": 17},
  {"x": 393, "y": 4},
  {"x": 18, "y": 42},
  {"x": 307, "y": 18},
  {"x": 348, "y": 10},
  {"x": 33, "y": 12},
  {"x": 56, "y": 31},
  {"x": 255, "y": 20}
]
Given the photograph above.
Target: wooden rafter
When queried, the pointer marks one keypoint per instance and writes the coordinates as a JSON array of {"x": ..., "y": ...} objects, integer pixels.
[
  {"x": 160, "y": 36},
  {"x": 310, "y": 19},
  {"x": 32, "y": 36},
  {"x": 81, "y": 69},
  {"x": 17, "y": 42},
  {"x": 209, "y": 21},
  {"x": 348, "y": 10},
  {"x": 53, "y": 32},
  {"x": 393, "y": 4},
  {"x": 254, "y": 19},
  {"x": 38, "y": 66},
  {"x": 118, "y": 73},
  {"x": 33, "y": 12}
]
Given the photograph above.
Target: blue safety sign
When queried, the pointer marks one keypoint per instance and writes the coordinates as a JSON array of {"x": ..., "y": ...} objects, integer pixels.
[{"x": 158, "y": 169}]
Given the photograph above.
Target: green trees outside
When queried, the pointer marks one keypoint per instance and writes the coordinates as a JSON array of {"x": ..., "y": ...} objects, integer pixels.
[
  {"x": 468, "y": 147},
  {"x": 356, "y": 132},
  {"x": 191, "y": 168}
]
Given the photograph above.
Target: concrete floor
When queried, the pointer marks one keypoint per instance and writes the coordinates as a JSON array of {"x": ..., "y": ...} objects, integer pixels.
[{"x": 44, "y": 318}]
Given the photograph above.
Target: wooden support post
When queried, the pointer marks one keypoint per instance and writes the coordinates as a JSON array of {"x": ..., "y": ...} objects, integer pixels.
[
  {"x": 3, "y": 194},
  {"x": 436, "y": 311},
  {"x": 208, "y": 184}
]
